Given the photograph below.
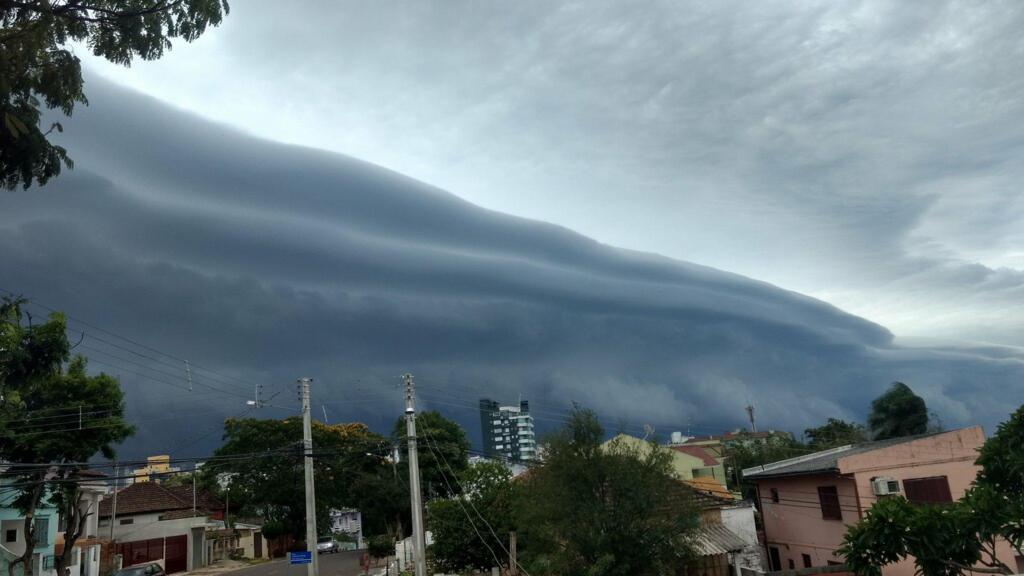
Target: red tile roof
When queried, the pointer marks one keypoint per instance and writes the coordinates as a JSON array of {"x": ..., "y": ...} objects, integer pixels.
[
  {"x": 149, "y": 497},
  {"x": 697, "y": 452}
]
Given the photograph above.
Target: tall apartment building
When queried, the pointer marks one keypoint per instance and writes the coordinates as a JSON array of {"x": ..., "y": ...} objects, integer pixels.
[{"x": 507, "y": 431}]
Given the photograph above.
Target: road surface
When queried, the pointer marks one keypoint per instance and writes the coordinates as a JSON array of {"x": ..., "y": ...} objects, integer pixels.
[{"x": 340, "y": 564}]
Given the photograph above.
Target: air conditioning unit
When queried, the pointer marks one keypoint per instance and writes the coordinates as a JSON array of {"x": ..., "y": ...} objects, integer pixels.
[{"x": 885, "y": 486}]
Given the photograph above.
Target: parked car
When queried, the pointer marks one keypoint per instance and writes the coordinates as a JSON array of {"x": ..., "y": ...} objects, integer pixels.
[
  {"x": 151, "y": 569},
  {"x": 327, "y": 545}
]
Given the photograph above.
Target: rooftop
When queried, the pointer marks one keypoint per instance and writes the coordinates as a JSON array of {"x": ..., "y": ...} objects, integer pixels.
[
  {"x": 149, "y": 497},
  {"x": 697, "y": 452},
  {"x": 825, "y": 460}
]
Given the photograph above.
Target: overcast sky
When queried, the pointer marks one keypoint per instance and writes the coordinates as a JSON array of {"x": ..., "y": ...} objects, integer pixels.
[
  {"x": 866, "y": 153},
  {"x": 662, "y": 211}
]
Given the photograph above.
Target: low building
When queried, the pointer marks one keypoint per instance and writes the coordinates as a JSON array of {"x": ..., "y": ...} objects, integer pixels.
[
  {"x": 157, "y": 523},
  {"x": 727, "y": 540},
  {"x": 348, "y": 524},
  {"x": 687, "y": 462},
  {"x": 12, "y": 537},
  {"x": 92, "y": 550},
  {"x": 809, "y": 502}
]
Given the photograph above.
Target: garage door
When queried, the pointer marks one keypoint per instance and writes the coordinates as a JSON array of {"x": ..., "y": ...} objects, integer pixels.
[{"x": 176, "y": 556}]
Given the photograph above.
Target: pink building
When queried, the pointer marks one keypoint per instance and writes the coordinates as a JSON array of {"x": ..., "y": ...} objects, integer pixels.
[{"x": 808, "y": 502}]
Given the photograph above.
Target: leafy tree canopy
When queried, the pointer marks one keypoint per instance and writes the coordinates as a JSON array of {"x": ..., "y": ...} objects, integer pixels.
[
  {"x": 461, "y": 525},
  {"x": 443, "y": 450},
  {"x": 951, "y": 539},
  {"x": 37, "y": 66},
  {"x": 898, "y": 412},
  {"x": 835, "y": 433},
  {"x": 54, "y": 414},
  {"x": 595, "y": 512},
  {"x": 350, "y": 469}
]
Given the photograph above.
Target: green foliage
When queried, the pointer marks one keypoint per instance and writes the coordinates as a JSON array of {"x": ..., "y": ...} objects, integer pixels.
[
  {"x": 349, "y": 468},
  {"x": 381, "y": 546},
  {"x": 603, "y": 511},
  {"x": 461, "y": 537},
  {"x": 897, "y": 413},
  {"x": 442, "y": 444},
  {"x": 38, "y": 68},
  {"x": 54, "y": 414},
  {"x": 950, "y": 539},
  {"x": 747, "y": 451},
  {"x": 835, "y": 433}
]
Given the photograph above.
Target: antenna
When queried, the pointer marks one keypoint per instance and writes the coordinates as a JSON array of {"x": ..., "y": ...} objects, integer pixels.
[{"x": 750, "y": 414}]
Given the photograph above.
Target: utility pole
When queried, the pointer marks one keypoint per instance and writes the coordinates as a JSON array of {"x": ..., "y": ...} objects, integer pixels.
[
  {"x": 513, "y": 566},
  {"x": 750, "y": 414},
  {"x": 312, "y": 569},
  {"x": 113, "y": 507},
  {"x": 419, "y": 543}
]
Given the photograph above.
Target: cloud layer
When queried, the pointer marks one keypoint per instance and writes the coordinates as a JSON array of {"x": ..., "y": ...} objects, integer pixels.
[
  {"x": 864, "y": 152},
  {"x": 266, "y": 261}
]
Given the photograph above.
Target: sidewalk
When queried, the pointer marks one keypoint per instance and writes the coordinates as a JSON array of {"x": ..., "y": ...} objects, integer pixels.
[{"x": 221, "y": 566}]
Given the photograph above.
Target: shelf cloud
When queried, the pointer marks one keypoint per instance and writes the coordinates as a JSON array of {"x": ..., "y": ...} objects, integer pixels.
[{"x": 266, "y": 261}]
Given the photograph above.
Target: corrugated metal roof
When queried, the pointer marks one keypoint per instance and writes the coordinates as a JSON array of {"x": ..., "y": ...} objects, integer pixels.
[{"x": 713, "y": 539}]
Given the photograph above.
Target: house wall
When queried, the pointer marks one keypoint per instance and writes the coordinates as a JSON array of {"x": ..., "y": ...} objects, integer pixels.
[
  {"x": 739, "y": 519},
  {"x": 147, "y": 526},
  {"x": 795, "y": 526},
  {"x": 951, "y": 454},
  {"x": 12, "y": 519},
  {"x": 682, "y": 464}
]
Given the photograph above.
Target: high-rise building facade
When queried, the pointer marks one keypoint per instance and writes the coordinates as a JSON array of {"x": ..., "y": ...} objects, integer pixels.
[{"x": 507, "y": 431}]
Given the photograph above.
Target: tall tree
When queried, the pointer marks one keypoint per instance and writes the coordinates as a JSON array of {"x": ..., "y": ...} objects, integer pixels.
[
  {"x": 462, "y": 525},
  {"x": 38, "y": 67},
  {"x": 952, "y": 539},
  {"x": 596, "y": 511},
  {"x": 746, "y": 451},
  {"x": 55, "y": 416},
  {"x": 835, "y": 433},
  {"x": 264, "y": 460},
  {"x": 898, "y": 412},
  {"x": 442, "y": 444}
]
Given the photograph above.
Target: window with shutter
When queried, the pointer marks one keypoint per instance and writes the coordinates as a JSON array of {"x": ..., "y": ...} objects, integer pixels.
[
  {"x": 926, "y": 491},
  {"x": 42, "y": 531},
  {"x": 828, "y": 497}
]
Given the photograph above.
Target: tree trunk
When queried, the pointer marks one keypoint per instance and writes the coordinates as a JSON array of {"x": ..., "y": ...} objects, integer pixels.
[
  {"x": 70, "y": 508},
  {"x": 30, "y": 533}
]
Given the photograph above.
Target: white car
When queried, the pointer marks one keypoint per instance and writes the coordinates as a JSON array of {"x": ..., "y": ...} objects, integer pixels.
[{"x": 327, "y": 545}]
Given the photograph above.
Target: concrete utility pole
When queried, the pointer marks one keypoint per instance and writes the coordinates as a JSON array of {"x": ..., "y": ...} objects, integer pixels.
[
  {"x": 419, "y": 542},
  {"x": 513, "y": 565},
  {"x": 313, "y": 568},
  {"x": 113, "y": 507}
]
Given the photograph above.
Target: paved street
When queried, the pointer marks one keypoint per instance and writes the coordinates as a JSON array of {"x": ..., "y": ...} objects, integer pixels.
[{"x": 340, "y": 564}]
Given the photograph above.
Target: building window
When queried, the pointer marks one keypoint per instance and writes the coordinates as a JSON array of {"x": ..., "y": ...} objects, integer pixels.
[
  {"x": 792, "y": 565},
  {"x": 933, "y": 490},
  {"x": 11, "y": 536},
  {"x": 49, "y": 562},
  {"x": 807, "y": 560},
  {"x": 124, "y": 521},
  {"x": 42, "y": 531},
  {"x": 828, "y": 497},
  {"x": 1020, "y": 564},
  {"x": 775, "y": 495},
  {"x": 773, "y": 559}
]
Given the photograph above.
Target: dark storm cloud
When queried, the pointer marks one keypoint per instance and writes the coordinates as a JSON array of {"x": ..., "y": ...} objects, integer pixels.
[
  {"x": 268, "y": 262},
  {"x": 866, "y": 152}
]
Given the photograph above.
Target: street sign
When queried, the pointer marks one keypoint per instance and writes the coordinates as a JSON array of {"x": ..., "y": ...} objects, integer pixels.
[{"x": 300, "y": 557}]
